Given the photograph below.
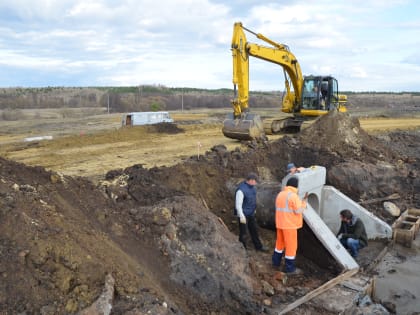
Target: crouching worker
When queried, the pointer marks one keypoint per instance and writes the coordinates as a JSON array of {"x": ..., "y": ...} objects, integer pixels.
[
  {"x": 289, "y": 209},
  {"x": 352, "y": 233},
  {"x": 245, "y": 206}
]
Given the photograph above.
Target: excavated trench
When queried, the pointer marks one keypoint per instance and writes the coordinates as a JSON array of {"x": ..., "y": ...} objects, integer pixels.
[
  {"x": 356, "y": 164},
  {"x": 168, "y": 235}
]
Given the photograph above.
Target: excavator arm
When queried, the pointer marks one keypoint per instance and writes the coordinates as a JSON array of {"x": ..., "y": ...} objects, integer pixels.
[
  {"x": 240, "y": 71},
  {"x": 278, "y": 54}
]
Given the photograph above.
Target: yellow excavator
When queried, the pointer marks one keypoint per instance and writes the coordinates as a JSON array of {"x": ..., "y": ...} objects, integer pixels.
[{"x": 305, "y": 98}]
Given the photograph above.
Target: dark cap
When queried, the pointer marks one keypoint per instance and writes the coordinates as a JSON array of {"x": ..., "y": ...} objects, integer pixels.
[
  {"x": 252, "y": 176},
  {"x": 292, "y": 182},
  {"x": 290, "y": 166}
]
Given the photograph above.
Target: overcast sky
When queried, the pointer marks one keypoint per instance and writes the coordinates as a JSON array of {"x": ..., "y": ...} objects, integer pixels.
[{"x": 369, "y": 45}]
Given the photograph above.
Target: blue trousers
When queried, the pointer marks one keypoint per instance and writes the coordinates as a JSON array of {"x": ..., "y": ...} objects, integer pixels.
[{"x": 352, "y": 245}]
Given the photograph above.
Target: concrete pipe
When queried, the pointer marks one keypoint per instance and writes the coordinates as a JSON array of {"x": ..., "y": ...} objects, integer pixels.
[{"x": 266, "y": 197}]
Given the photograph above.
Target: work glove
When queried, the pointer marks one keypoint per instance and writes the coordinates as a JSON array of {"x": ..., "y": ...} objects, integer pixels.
[
  {"x": 242, "y": 219},
  {"x": 340, "y": 236}
]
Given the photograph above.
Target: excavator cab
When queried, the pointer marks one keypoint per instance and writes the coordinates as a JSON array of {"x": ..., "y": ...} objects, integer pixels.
[{"x": 319, "y": 95}]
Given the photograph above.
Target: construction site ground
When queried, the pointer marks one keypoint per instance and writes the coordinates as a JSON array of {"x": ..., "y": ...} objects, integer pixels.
[{"x": 152, "y": 207}]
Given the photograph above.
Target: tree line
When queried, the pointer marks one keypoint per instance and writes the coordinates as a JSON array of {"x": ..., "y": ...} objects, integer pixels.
[
  {"x": 127, "y": 99},
  {"x": 157, "y": 97}
]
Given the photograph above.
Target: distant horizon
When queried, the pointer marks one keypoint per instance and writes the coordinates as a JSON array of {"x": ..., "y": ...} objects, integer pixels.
[{"x": 192, "y": 88}]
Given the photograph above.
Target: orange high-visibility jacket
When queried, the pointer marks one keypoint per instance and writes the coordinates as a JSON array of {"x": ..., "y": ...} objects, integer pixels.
[{"x": 289, "y": 209}]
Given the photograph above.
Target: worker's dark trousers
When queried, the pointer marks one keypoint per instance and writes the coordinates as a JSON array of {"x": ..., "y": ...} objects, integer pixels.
[
  {"x": 251, "y": 223},
  {"x": 276, "y": 258},
  {"x": 290, "y": 265}
]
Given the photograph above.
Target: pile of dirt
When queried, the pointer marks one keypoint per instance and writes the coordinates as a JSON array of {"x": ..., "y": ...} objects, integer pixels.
[
  {"x": 169, "y": 128},
  {"x": 61, "y": 236},
  {"x": 341, "y": 134},
  {"x": 167, "y": 235},
  {"x": 56, "y": 244}
]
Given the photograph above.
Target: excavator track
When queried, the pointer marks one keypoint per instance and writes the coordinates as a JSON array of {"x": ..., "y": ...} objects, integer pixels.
[
  {"x": 274, "y": 126},
  {"x": 251, "y": 127}
]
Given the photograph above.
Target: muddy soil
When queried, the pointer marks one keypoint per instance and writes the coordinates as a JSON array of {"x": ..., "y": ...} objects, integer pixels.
[
  {"x": 169, "y": 128},
  {"x": 167, "y": 235}
]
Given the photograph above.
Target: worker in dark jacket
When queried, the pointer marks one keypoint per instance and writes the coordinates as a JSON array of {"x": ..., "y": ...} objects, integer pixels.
[
  {"x": 352, "y": 233},
  {"x": 245, "y": 205}
]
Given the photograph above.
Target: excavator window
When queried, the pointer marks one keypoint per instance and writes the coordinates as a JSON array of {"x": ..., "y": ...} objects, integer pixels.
[
  {"x": 312, "y": 95},
  {"x": 309, "y": 86},
  {"x": 334, "y": 93},
  {"x": 325, "y": 99}
]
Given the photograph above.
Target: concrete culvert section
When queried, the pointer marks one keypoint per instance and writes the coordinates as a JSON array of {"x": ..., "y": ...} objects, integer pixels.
[{"x": 168, "y": 237}]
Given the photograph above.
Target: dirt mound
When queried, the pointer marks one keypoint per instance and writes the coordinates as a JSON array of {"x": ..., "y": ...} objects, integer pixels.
[
  {"x": 202, "y": 255},
  {"x": 341, "y": 134},
  {"x": 163, "y": 127},
  {"x": 57, "y": 244},
  {"x": 404, "y": 143},
  {"x": 70, "y": 236}
]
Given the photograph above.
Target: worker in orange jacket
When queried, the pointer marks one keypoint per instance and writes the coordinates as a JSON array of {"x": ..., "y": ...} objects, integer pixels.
[{"x": 289, "y": 209}]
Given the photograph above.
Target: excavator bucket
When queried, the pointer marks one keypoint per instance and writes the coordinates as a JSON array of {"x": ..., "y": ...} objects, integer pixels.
[{"x": 248, "y": 127}]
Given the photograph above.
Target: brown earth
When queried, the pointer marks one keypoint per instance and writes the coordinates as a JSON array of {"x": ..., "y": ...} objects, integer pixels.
[{"x": 167, "y": 234}]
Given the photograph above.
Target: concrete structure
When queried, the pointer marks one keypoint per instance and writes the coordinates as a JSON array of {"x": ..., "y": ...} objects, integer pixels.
[
  {"x": 327, "y": 202},
  {"x": 146, "y": 118},
  {"x": 341, "y": 294},
  {"x": 323, "y": 212}
]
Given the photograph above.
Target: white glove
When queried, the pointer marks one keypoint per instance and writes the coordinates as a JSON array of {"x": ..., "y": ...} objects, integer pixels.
[
  {"x": 242, "y": 219},
  {"x": 339, "y": 236}
]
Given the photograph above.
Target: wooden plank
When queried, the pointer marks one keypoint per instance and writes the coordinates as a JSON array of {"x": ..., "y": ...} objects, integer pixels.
[
  {"x": 414, "y": 212},
  {"x": 204, "y": 202},
  {"x": 375, "y": 262},
  {"x": 223, "y": 223},
  {"x": 390, "y": 197},
  {"x": 352, "y": 286},
  {"x": 316, "y": 292},
  {"x": 404, "y": 232}
]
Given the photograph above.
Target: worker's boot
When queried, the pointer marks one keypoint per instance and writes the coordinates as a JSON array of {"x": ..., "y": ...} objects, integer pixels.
[
  {"x": 291, "y": 267},
  {"x": 276, "y": 258}
]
